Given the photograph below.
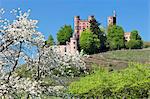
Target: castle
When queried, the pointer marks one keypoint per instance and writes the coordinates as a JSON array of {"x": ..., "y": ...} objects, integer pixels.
[{"x": 79, "y": 26}]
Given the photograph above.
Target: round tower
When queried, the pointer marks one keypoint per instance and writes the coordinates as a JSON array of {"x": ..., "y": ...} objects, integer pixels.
[{"x": 76, "y": 25}]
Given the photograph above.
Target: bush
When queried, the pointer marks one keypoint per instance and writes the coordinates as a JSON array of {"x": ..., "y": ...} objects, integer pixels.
[
  {"x": 134, "y": 44},
  {"x": 135, "y": 41},
  {"x": 133, "y": 82}
]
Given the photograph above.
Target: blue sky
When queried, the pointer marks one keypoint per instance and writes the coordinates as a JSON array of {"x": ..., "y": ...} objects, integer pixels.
[{"x": 52, "y": 14}]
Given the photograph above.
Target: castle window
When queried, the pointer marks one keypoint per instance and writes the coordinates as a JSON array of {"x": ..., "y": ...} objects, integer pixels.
[
  {"x": 126, "y": 37},
  {"x": 74, "y": 47},
  {"x": 65, "y": 49},
  {"x": 74, "y": 42},
  {"x": 79, "y": 27}
]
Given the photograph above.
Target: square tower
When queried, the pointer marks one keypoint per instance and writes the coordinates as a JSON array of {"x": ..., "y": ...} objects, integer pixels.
[{"x": 111, "y": 20}]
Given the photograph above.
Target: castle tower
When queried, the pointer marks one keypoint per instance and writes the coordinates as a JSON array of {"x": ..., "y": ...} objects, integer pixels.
[
  {"x": 81, "y": 25},
  {"x": 76, "y": 26},
  {"x": 111, "y": 20}
]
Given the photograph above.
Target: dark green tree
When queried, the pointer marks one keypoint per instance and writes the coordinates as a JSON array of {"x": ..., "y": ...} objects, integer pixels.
[
  {"x": 89, "y": 42},
  {"x": 50, "y": 40},
  {"x": 64, "y": 34},
  {"x": 135, "y": 41},
  {"x": 135, "y": 35},
  {"x": 115, "y": 37},
  {"x": 95, "y": 29}
]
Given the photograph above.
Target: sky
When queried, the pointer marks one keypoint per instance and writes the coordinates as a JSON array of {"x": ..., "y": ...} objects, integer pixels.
[{"x": 53, "y": 14}]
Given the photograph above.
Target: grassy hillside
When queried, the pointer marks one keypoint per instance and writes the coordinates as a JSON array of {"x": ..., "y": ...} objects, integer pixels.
[{"x": 119, "y": 59}]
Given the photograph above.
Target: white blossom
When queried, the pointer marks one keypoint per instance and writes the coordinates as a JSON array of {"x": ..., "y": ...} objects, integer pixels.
[{"x": 20, "y": 41}]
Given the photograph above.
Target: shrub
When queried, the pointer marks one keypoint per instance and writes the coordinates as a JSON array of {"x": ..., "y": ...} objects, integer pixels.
[
  {"x": 132, "y": 82},
  {"x": 134, "y": 44},
  {"x": 135, "y": 41}
]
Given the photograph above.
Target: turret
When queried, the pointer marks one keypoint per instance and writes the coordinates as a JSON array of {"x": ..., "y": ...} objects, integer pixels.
[{"x": 73, "y": 45}]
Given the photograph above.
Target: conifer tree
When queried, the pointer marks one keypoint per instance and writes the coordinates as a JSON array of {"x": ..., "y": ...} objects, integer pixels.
[
  {"x": 94, "y": 27},
  {"x": 50, "y": 40}
]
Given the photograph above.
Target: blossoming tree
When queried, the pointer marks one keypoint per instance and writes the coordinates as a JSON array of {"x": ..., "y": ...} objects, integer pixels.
[{"x": 21, "y": 43}]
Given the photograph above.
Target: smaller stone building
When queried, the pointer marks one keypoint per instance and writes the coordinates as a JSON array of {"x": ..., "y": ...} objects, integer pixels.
[
  {"x": 70, "y": 47},
  {"x": 127, "y": 36}
]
